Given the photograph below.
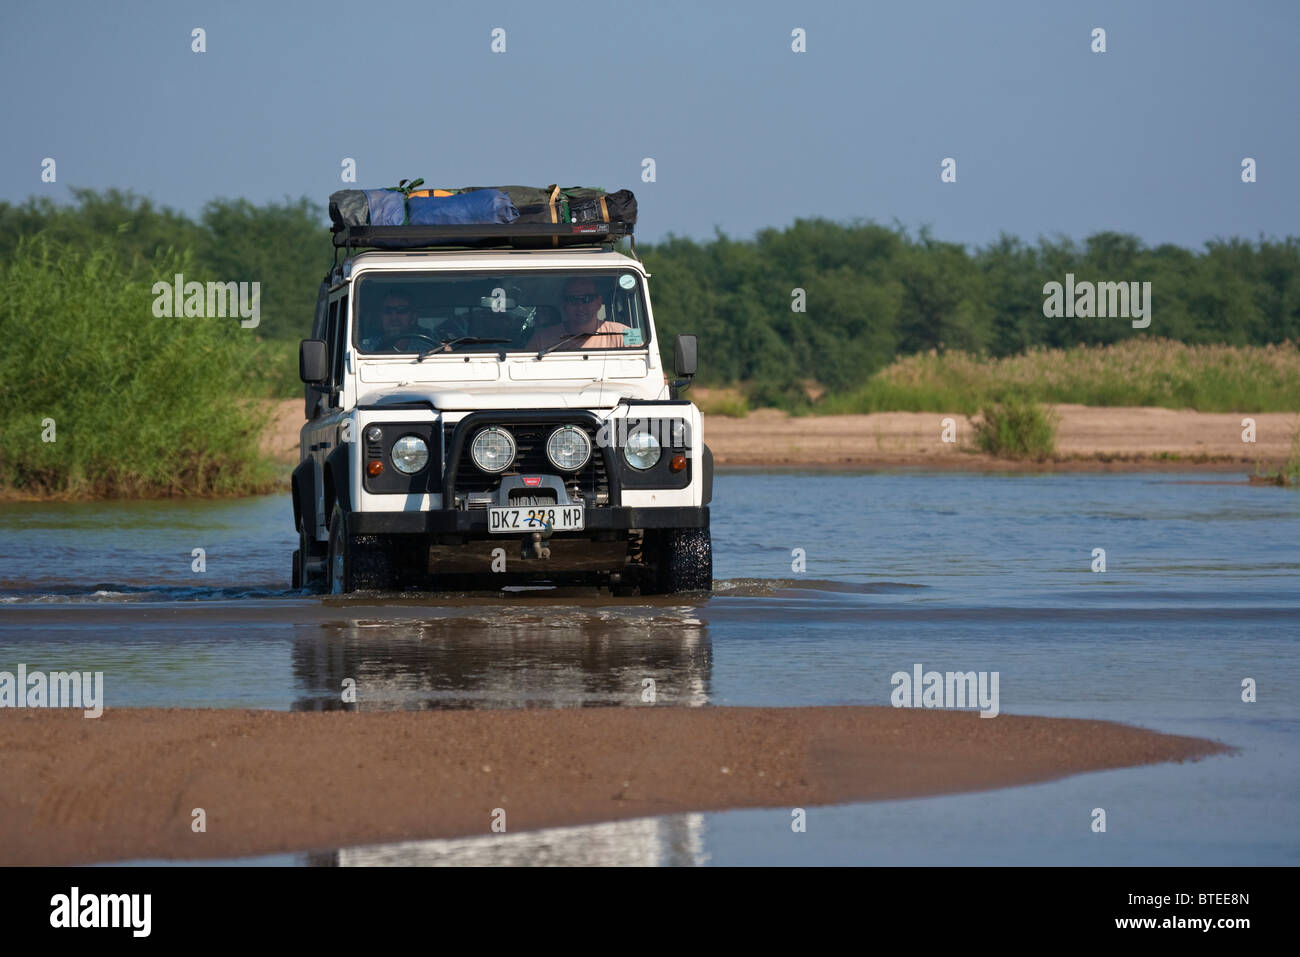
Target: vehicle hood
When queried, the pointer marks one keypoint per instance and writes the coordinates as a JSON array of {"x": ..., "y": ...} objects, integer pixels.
[{"x": 597, "y": 395}]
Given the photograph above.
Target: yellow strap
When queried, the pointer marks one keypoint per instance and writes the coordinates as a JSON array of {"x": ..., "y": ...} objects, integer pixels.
[
  {"x": 604, "y": 210},
  {"x": 555, "y": 212}
]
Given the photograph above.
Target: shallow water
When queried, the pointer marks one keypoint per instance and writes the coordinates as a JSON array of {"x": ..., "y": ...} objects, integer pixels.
[{"x": 956, "y": 572}]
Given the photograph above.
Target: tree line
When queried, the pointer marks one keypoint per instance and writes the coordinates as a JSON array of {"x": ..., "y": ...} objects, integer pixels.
[{"x": 817, "y": 301}]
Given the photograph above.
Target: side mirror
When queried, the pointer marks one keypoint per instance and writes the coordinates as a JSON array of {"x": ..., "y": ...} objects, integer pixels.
[
  {"x": 313, "y": 361},
  {"x": 684, "y": 356}
]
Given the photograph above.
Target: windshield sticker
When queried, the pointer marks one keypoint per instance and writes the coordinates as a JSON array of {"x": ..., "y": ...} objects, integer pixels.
[
  {"x": 627, "y": 280},
  {"x": 632, "y": 337}
]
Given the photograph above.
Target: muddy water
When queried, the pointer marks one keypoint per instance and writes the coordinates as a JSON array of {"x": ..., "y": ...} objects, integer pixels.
[{"x": 827, "y": 584}]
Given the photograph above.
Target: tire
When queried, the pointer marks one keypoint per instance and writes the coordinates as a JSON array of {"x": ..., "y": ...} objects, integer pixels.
[
  {"x": 338, "y": 561},
  {"x": 296, "y": 578},
  {"x": 683, "y": 562},
  {"x": 307, "y": 563},
  {"x": 350, "y": 566}
]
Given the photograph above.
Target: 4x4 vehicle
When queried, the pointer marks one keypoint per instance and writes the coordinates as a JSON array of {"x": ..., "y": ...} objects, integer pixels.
[{"x": 488, "y": 414}]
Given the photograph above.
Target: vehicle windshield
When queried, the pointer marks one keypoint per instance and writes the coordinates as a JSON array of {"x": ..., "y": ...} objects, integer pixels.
[{"x": 539, "y": 312}]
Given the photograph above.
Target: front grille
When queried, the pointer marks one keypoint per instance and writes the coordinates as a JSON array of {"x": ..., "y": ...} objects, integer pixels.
[
  {"x": 530, "y": 459},
  {"x": 527, "y": 496}
]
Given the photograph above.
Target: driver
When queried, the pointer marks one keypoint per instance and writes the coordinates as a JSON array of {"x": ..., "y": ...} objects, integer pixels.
[{"x": 398, "y": 331}]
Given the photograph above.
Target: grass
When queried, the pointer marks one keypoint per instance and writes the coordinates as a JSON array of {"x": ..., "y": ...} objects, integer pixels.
[
  {"x": 1134, "y": 372},
  {"x": 1289, "y": 471},
  {"x": 727, "y": 402},
  {"x": 1291, "y": 468},
  {"x": 277, "y": 363},
  {"x": 1017, "y": 429},
  {"x": 141, "y": 406}
]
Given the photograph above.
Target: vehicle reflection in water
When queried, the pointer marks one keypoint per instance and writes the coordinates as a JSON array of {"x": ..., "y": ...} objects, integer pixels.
[
  {"x": 673, "y": 841},
  {"x": 505, "y": 656}
]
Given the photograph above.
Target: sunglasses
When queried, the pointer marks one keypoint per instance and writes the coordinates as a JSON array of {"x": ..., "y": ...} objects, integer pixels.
[
  {"x": 397, "y": 310},
  {"x": 591, "y": 297}
]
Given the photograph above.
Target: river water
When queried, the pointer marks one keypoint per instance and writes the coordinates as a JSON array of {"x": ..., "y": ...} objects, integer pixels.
[{"x": 827, "y": 584}]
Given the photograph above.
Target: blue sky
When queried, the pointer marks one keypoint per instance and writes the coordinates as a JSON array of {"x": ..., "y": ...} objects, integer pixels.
[{"x": 1049, "y": 137}]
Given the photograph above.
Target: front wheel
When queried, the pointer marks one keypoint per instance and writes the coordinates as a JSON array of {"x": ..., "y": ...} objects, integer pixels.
[
  {"x": 683, "y": 560},
  {"x": 349, "y": 565},
  {"x": 338, "y": 563},
  {"x": 308, "y": 563}
]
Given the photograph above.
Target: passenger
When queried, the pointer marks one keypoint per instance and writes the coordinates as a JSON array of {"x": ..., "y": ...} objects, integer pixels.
[{"x": 581, "y": 319}]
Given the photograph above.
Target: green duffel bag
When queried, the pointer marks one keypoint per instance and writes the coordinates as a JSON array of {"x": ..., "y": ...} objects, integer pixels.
[
  {"x": 544, "y": 204},
  {"x": 597, "y": 206},
  {"x": 523, "y": 196}
]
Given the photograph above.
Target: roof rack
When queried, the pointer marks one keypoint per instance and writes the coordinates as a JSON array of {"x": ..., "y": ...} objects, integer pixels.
[{"x": 532, "y": 235}]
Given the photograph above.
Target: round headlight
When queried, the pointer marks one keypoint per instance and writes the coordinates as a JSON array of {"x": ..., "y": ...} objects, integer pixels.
[
  {"x": 642, "y": 450},
  {"x": 493, "y": 449},
  {"x": 568, "y": 448},
  {"x": 410, "y": 454},
  {"x": 374, "y": 434}
]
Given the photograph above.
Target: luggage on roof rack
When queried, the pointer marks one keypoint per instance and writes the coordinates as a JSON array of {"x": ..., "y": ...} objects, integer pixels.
[
  {"x": 517, "y": 235},
  {"x": 405, "y": 205},
  {"x": 569, "y": 204},
  {"x": 398, "y": 207}
]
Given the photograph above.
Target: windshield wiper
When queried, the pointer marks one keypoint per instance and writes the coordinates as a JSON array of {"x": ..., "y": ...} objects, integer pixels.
[
  {"x": 448, "y": 344},
  {"x": 555, "y": 345}
]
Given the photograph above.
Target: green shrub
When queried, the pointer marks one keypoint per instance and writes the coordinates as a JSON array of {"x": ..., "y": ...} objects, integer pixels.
[
  {"x": 278, "y": 362},
  {"x": 1017, "y": 429},
  {"x": 1289, "y": 472},
  {"x": 733, "y": 405},
  {"x": 141, "y": 406},
  {"x": 1134, "y": 372}
]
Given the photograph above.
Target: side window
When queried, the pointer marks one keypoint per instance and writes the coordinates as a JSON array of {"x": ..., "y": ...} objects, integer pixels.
[
  {"x": 338, "y": 344},
  {"x": 318, "y": 324},
  {"x": 331, "y": 337}
]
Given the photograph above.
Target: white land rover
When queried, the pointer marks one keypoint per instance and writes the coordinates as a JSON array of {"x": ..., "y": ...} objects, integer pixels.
[{"x": 482, "y": 415}]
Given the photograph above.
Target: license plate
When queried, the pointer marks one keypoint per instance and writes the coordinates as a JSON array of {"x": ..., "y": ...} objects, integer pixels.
[{"x": 535, "y": 518}]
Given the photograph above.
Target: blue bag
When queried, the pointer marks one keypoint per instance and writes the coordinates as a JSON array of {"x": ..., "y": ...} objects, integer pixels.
[
  {"x": 387, "y": 207},
  {"x": 464, "y": 209}
]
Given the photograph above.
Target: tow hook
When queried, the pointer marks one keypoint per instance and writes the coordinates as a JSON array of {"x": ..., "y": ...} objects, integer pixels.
[{"x": 535, "y": 547}]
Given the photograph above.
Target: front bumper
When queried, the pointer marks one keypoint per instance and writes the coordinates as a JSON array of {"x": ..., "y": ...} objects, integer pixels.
[{"x": 473, "y": 523}]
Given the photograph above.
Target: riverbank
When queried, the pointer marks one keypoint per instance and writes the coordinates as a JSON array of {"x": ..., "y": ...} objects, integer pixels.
[
  {"x": 1088, "y": 439},
  {"x": 126, "y": 785}
]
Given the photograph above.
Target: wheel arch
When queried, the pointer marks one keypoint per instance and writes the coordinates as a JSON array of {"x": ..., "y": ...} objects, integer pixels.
[
  {"x": 338, "y": 479},
  {"x": 303, "y": 486}
]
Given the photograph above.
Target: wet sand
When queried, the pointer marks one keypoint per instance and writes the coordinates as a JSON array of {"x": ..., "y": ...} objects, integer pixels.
[
  {"x": 1088, "y": 439},
  {"x": 125, "y": 785}
]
